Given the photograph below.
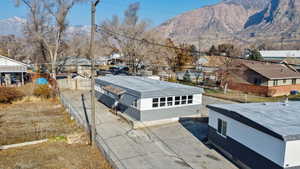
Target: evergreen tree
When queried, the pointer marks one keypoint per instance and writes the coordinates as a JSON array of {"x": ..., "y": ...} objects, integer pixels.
[
  {"x": 254, "y": 55},
  {"x": 213, "y": 51}
]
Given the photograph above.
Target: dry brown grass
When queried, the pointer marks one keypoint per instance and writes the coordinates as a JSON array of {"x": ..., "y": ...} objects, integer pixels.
[
  {"x": 33, "y": 119},
  {"x": 53, "y": 155},
  {"x": 241, "y": 97},
  {"x": 27, "y": 89}
]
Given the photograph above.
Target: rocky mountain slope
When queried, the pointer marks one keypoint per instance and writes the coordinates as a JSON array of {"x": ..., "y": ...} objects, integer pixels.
[
  {"x": 241, "y": 22},
  {"x": 218, "y": 22},
  {"x": 250, "y": 4},
  {"x": 279, "y": 18}
]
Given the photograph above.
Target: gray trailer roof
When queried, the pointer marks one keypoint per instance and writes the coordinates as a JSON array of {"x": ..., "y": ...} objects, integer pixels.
[
  {"x": 281, "y": 119},
  {"x": 148, "y": 88}
]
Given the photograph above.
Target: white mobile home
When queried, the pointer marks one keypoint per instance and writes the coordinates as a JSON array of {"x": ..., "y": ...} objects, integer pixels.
[
  {"x": 145, "y": 99},
  {"x": 257, "y": 135}
]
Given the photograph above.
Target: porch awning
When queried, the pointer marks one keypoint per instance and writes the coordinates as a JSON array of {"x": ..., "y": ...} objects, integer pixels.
[
  {"x": 114, "y": 90},
  {"x": 13, "y": 69}
]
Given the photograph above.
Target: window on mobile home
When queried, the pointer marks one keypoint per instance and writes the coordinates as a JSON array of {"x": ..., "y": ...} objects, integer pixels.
[{"x": 222, "y": 127}]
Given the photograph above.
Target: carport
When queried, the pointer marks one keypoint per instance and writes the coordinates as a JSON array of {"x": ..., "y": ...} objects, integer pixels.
[{"x": 11, "y": 71}]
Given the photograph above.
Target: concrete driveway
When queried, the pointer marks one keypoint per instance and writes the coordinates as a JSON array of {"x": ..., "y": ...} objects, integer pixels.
[{"x": 174, "y": 146}]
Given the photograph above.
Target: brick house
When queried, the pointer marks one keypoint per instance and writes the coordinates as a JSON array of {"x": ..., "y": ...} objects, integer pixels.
[{"x": 262, "y": 78}]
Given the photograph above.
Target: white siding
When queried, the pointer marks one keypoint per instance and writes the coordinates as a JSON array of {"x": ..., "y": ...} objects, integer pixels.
[
  {"x": 265, "y": 145},
  {"x": 280, "y": 53},
  {"x": 197, "y": 99},
  {"x": 292, "y": 154},
  {"x": 146, "y": 104},
  {"x": 281, "y": 82}
]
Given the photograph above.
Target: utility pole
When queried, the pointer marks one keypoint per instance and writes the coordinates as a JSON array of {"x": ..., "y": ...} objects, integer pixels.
[{"x": 92, "y": 57}]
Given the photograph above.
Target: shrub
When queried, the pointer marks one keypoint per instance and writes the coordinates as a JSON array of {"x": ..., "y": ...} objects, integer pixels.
[
  {"x": 9, "y": 94},
  {"x": 43, "y": 91},
  {"x": 172, "y": 79}
]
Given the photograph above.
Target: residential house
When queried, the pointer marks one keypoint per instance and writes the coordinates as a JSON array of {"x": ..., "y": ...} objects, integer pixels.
[
  {"x": 263, "y": 78},
  {"x": 209, "y": 65},
  {"x": 144, "y": 99},
  {"x": 190, "y": 76},
  {"x": 12, "y": 71},
  {"x": 257, "y": 135},
  {"x": 81, "y": 65}
]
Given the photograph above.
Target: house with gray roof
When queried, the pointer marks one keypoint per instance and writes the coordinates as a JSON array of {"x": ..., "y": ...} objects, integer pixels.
[
  {"x": 144, "y": 99},
  {"x": 257, "y": 135},
  {"x": 12, "y": 71}
]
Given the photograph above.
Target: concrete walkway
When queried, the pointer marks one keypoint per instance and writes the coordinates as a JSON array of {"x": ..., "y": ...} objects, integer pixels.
[{"x": 174, "y": 146}]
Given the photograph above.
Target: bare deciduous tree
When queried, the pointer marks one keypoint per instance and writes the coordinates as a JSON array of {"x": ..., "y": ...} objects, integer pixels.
[
  {"x": 47, "y": 24},
  {"x": 122, "y": 34}
]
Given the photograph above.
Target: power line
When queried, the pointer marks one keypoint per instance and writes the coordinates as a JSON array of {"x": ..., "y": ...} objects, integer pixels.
[
  {"x": 105, "y": 30},
  {"x": 102, "y": 28}
]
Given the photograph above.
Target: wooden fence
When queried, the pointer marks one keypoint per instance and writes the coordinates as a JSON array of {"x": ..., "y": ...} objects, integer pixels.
[{"x": 74, "y": 84}]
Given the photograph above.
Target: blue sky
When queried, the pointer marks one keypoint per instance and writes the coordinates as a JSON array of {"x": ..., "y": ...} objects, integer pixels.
[{"x": 157, "y": 11}]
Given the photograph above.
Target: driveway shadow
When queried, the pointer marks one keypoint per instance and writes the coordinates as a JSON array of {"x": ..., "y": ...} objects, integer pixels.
[{"x": 197, "y": 127}]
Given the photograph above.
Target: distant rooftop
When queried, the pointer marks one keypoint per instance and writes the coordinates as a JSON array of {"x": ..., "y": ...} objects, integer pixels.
[
  {"x": 146, "y": 87},
  {"x": 272, "y": 71},
  {"x": 277, "y": 117},
  {"x": 280, "y": 53}
]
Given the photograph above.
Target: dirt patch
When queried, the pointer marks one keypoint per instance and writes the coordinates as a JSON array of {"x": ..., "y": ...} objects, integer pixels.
[
  {"x": 53, "y": 155},
  {"x": 28, "y": 121},
  {"x": 36, "y": 119}
]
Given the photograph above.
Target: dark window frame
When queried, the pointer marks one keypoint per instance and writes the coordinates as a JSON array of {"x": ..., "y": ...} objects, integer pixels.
[
  {"x": 162, "y": 102},
  {"x": 169, "y": 101},
  {"x": 222, "y": 127},
  {"x": 135, "y": 103},
  {"x": 177, "y": 100},
  {"x": 155, "y": 102},
  {"x": 183, "y": 100},
  {"x": 190, "y": 99}
]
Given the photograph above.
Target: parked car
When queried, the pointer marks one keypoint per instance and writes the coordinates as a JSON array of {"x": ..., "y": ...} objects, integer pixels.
[{"x": 295, "y": 92}]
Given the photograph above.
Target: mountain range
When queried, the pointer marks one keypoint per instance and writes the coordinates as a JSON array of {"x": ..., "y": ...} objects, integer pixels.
[
  {"x": 239, "y": 22},
  {"x": 15, "y": 26},
  {"x": 12, "y": 26},
  {"x": 242, "y": 22}
]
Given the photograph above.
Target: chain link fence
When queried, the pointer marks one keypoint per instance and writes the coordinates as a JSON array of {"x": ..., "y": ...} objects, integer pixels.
[{"x": 82, "y": 118}]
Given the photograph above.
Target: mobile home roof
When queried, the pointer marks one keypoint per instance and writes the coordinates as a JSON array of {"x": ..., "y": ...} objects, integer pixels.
[
  {"x": 280, "y": 53},
  {"x": 279, "y": 118},
  {"x": 147, "y": 88}
]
